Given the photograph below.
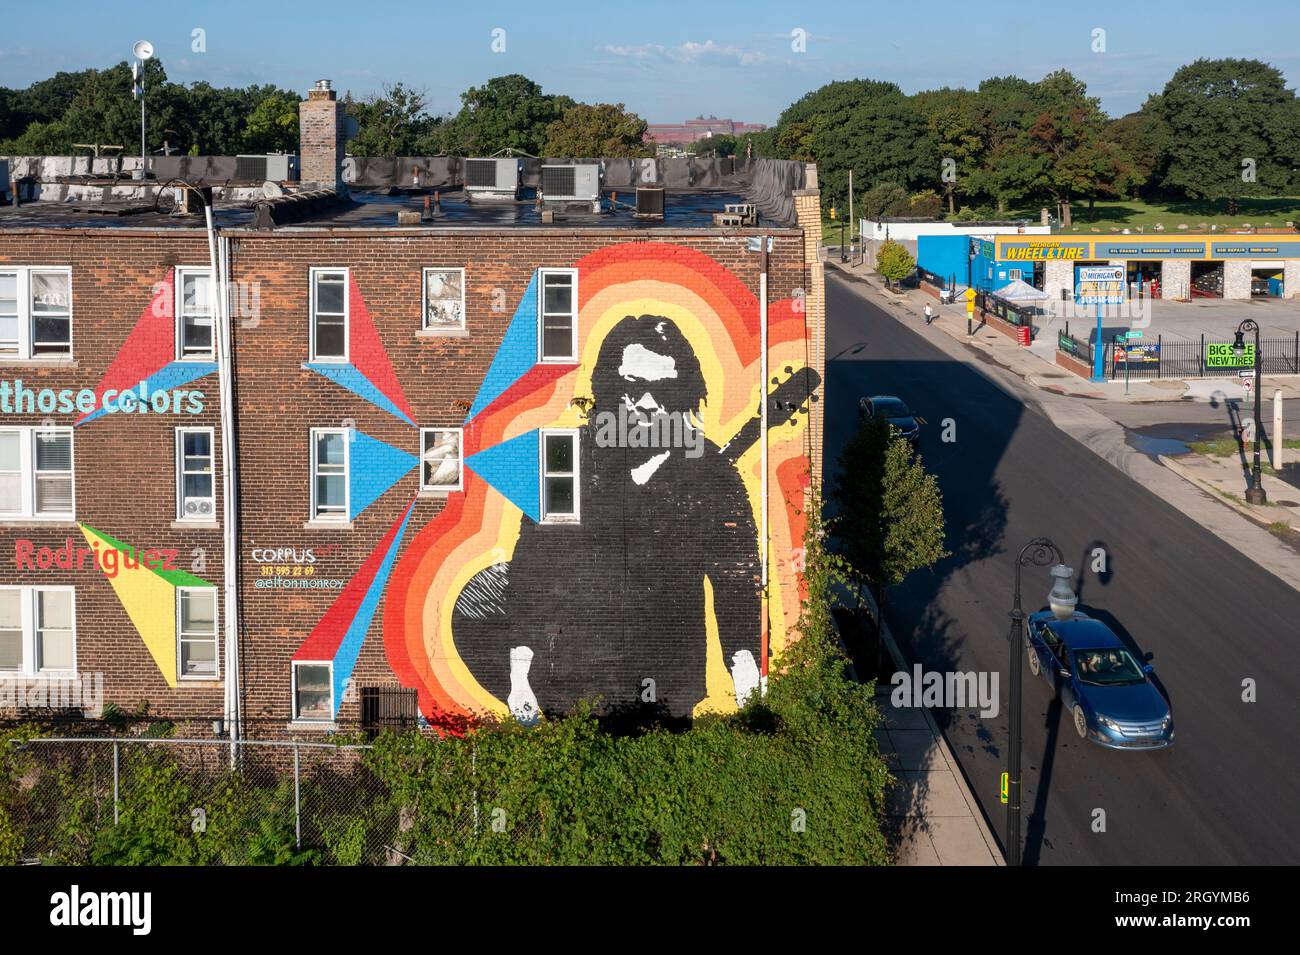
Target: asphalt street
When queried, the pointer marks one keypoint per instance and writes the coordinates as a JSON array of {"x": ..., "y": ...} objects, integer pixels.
[{"x": 1209, "y": 617}]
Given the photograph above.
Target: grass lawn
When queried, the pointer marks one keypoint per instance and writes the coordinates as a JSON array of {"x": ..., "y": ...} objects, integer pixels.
[{"x": 1118, "y": 214}]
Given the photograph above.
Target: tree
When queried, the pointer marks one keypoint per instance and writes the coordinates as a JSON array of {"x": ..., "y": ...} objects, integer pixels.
[
  {"x": 507, "y": 112},
  {"x": 273, "y": 124},
  {"x": 1064, "y": 137},
  {"x": 894, "y": 262},
  {"x": 604, "y": 129},
  {"x": 1234, "y": 130},
  {"x": 868, "y": 126},
  {"x": 955, "y": 122},
  {"x": 888, "y": 509},
  {"x": 1143, "y": 142},
  {"x": 885, "y": 199},
  {"x": 390, "y": 123}
]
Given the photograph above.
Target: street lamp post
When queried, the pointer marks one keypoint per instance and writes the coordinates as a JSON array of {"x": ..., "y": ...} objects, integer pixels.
[
  {"x": 1039, "y": 552},
  {"x": 1255, "y": 493}
]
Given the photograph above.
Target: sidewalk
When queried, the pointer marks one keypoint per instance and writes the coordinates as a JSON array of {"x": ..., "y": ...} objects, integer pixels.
[
  {"x": 932, "y": 816},
  {"x": 1037, "y": 363},
  {"x": 1226, "y": 476}
]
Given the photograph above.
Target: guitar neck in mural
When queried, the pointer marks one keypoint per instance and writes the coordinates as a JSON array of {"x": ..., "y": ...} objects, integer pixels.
[{"x": 786, "y": 403}]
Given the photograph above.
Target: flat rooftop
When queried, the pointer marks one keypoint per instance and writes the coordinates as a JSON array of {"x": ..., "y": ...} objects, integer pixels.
[{"x": 683, "y": 209}]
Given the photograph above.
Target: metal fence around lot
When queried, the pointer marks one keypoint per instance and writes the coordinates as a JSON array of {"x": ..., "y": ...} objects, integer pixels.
[
  {"x": 142, "y": 800},
  {"x": 1180, "y": 358},
  {"x": 83, "y": 800}
]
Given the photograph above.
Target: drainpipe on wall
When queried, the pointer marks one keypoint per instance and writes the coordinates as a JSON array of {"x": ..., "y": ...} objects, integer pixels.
[
  {"x": 218, "y": 251},
  {"x": 763, "y": 530}
]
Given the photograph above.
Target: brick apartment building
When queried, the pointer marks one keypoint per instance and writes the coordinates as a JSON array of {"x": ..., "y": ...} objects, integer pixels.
[
  {"x": 443, "y": 505},
  {"x": 702, "y": 127}
]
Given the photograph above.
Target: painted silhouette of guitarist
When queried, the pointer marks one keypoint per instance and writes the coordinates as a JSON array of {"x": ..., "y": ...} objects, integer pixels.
[{"x": 603, "y": 605}]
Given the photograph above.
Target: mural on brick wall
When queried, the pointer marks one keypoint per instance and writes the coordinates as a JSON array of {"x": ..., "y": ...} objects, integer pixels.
[{"x": 653, "y": 594}]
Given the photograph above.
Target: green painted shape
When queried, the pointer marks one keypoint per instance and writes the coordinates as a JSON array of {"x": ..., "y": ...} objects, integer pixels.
[{"x": 177, "y": 578}]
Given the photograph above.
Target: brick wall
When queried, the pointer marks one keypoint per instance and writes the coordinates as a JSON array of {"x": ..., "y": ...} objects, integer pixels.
[
  {"x": 125, "y": 468},
  {"x": 124, "y": 464}
]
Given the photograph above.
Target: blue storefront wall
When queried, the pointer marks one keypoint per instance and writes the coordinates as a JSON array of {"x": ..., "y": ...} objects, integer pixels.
[{"x": 947, "y": 256}]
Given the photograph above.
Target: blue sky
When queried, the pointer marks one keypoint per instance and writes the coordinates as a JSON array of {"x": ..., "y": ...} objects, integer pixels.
[{"x": 666, "y": 60}]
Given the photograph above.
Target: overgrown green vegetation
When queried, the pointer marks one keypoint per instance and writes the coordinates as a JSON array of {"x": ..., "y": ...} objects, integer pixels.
[{"x": 889, "y": 517}]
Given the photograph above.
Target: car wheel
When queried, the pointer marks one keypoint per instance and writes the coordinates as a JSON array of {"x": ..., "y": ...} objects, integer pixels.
[
  {"x": 1035, "y": 666},
  {"x": 1080, "y": 722}
]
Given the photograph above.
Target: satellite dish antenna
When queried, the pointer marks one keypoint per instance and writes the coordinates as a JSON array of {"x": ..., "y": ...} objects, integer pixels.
[
  {"x": 143, "y": 49},
  {"x": 271, "y": 190}
]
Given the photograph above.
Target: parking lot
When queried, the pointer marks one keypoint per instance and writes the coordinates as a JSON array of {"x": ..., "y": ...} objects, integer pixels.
[{"x": 1217, "y": 319}]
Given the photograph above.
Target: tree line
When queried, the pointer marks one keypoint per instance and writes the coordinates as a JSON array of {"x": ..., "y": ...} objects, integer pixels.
[
  {"x": 71, "y": 111},
  {"x": 1219, "y": 131}
]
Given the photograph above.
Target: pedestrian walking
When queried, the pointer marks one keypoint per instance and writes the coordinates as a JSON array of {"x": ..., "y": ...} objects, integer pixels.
[{"x": 929, "y": 313}]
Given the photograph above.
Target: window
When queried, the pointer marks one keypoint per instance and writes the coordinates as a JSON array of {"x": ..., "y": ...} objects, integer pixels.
[
  {"x": 11, "y": 629},
  {"x": 444, "y": 299},
  {"x": 194, "y": 495},
  {"x": 440, "y": 459},
  {"x": 35, "y": 313},
  {"x": 559, "y": 476},
  {"x": 558, "y": 324},
  {"x": 196, "y": 632},
  {"x": 329, "y": 314},
  {"x": 36, "y": 473},
  {"x": 194, "y": 314},
  {"x": 313, "y": 691},
  {"x": 37, "y": 630},
  {"x": 329, "y": 474}
]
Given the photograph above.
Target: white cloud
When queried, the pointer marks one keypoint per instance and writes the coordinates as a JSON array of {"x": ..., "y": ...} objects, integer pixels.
[{"x": 707, "y": 52}]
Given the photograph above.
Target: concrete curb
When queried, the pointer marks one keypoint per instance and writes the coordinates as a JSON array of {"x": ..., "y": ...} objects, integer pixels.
[
  {"x": 972, "y": 804},
  {"x": 1243, "y": 509}
]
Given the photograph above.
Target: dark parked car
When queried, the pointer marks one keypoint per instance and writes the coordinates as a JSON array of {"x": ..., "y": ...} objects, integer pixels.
[
  {"x": 902, "y": 422},
  {"x": 1109, "y": 694}
]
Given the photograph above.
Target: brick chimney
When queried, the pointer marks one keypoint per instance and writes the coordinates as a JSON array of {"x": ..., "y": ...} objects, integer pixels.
[{"x": 322, "y": 130}]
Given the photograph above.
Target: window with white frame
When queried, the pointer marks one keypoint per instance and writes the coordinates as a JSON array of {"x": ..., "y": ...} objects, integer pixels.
[
  {"x": 194, "y": 310},
  {"x": 557, "y": 337},
  {"x": 35, "y": 312},
  {"x": 560, "y": 476},
  {"x": 329, "y": 314},
  {"x": 195, "y": 500},
  {"x": 440, "y": 459},
  {"x": 196, "y": 632},
  {"x": 329, "y": 474},
  {"x": 313, "y": 691},
  {"x": 38, "y": 632},
  {"x": 36, "y": 473},
  {"x": 444, "y": 299}
]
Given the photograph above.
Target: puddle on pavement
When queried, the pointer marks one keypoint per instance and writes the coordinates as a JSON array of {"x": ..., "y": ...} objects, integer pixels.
[{"x": 1153, "y": 446}]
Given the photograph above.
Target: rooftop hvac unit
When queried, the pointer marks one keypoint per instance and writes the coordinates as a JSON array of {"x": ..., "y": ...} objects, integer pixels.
[
  {"x": 649, "y": 202},
  {"x": 275, "y": 167},
  {"x": 492, "y": 178},
  {"x": 574, "y": 183},
  {"x": 190, "y": 200}
]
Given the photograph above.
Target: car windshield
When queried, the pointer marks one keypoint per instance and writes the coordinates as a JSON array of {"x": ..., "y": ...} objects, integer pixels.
[
  {"x": 892, "y": 409},
  {"x": 1113, "y": 667}
]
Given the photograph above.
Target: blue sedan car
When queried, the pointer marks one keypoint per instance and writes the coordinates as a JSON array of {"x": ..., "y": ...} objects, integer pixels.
[{"x": 1109, "y": 694}]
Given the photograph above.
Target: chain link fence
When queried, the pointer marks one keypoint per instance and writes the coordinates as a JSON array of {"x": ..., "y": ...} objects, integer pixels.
[{"x": 136, "y": 800}]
